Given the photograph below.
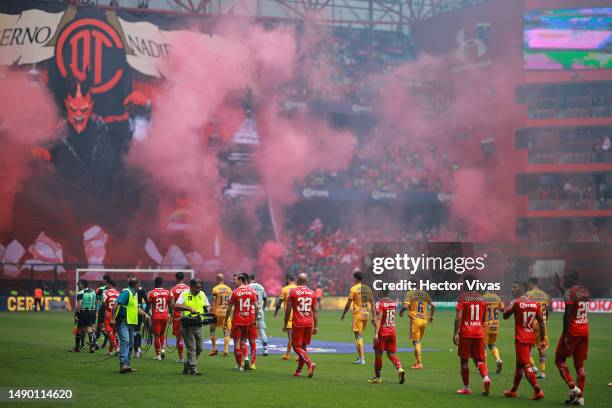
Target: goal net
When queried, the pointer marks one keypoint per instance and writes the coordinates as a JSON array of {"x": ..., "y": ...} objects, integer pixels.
[{"x": 120, "y": 276}]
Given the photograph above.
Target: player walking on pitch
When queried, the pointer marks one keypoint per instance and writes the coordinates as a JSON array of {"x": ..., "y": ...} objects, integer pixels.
[
  {"x": 262, "y": 299},
  {"x": 302, "y": 303},
  {"x": 158, "y": 299},
  {"x": 100, "y": 329},
  {"x": 525, "y": 312},
  {"x": 253, "y": 333},
  {"x": 175, "y": 293},
  {"x": 110, "y": 297},
  {"x": 574, "y": 340},
  {"x": 384, "y": 337},
  {"x": 543, "y": 299},
  {"x": 241, "y": 302},
  {"x": 417, "y": 303},
  {"x": 282, "y": 301},
  {"x": 220, "y": 299},
  {"x": 360, "y": 297},
  {"x": 468, "y": 336},
  {"x": 490, "y": 326}
]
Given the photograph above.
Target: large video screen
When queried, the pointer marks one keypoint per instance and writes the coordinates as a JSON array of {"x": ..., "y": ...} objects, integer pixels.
[{"x": 568, "y": 39}]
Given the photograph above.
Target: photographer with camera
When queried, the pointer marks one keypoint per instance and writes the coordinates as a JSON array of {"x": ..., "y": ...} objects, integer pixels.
[{"x": 194, "y": 305}]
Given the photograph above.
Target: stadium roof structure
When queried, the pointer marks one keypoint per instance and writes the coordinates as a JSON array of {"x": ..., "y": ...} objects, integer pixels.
[{"x": 374, "y": 14}]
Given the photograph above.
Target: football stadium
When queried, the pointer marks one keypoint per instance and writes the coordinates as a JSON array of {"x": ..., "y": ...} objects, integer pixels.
[{"x": 291, "y": 203}]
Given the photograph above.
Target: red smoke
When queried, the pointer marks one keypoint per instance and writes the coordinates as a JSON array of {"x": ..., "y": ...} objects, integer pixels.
[
  {"x": 423, "y": 104},
  {"x": 205, "y": 81},
  {"x": 28, "y": 117},
  {"x": 477, "y": 202},
  {"x": 269, "y": 265}
]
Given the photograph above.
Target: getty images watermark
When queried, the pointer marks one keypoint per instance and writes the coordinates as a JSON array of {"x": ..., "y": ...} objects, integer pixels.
[{"x": 427, "y": 266}]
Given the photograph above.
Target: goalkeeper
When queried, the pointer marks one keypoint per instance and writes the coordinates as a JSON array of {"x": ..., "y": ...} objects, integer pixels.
[{"x": 193, "y": 304}]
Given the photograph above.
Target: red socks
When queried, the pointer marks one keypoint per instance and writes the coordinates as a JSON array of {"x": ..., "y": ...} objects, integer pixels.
[
  {"x": 565, "y": 374},
  {"x": 465, "y": 373},
  {"x": 396, "y": 362},
  {"x": 239, "y": 349},
  {"x": 113, "y": 341},
  {"x": 531, "y": 378},
  {"x": 157, "y": 346},
  {"x": 581, "y": 379},
  {"x": 377, "y": 366},
  {"x": 482, "y": 369},
  {"x": 518, "y": 375},
  {"x": 179, "y": 347},
  {"x": 301, "y": 352}
]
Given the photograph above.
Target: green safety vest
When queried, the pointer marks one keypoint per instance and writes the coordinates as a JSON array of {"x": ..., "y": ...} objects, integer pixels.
[
  {"x": 196, "y": 302},
  {"x": 131, "y": 309}
]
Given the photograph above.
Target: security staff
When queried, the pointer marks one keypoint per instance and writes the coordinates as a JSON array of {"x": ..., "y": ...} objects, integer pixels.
[
  {"x": 125, "y": 318},
  {"x": 192, "y": 303}
]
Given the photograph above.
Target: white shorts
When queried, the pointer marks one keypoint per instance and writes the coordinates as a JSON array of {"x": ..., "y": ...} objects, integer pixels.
[{"x": 261, "y": 323}]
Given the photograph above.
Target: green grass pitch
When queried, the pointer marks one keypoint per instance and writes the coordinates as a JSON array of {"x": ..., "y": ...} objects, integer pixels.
[{"x": 33, "y": 352}]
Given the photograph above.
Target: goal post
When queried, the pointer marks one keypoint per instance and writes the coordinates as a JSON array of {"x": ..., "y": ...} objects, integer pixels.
[{"x": 144, "y": 275}]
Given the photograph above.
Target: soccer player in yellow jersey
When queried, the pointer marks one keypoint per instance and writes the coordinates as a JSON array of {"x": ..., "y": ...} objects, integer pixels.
[
  {"x": 537, "y": 294},
  {"x": 282, "y": 301},
  {"x": 361, "y": 298},
  {"x": 490, "y": 327},
  {"x": 417, "y": 302},
  {"x": 220, "y": 299}
]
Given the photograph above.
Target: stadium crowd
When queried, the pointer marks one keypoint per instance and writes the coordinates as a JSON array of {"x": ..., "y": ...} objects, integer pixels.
[
  {"x": 579, "y": 191},
  {"x": 415, "y": 167},
  {"x": 569, "y": 101},
  {"x": 573, "y": 145},
  {"x": 352, "y": 53}
]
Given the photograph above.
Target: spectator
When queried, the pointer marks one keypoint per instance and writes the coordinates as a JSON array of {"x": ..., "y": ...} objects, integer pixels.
[{"x": 38, "y": 300}]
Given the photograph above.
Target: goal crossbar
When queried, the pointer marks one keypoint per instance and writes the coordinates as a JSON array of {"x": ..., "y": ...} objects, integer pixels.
[{"x": 80, "y": 271}]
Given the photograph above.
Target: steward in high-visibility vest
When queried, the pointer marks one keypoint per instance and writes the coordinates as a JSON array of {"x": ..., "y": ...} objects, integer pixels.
[
  {"x": 131, "y": 309},
  {"x": 192, "y": 302},
  {"x": 195, "y": 302},
  {"x": 125, "y": 319}
]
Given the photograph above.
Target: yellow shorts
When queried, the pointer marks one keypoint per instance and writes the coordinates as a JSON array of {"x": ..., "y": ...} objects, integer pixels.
[
  {"x": 359, "y": 325},
  {"x": 537, "y": 333},
  {"x": 417, "y": 330},
  {"x": 489, "y": 336},
  {"x": 220, "y": 321}
]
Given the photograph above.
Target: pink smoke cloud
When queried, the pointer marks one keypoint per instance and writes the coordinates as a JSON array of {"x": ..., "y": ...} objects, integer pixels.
[
  {"x": 205, "y": 81},
  {"x": 28, "y": 117}
]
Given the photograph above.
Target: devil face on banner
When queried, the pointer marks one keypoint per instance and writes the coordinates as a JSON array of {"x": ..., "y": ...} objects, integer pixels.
[{"x": 78, "y": 109}]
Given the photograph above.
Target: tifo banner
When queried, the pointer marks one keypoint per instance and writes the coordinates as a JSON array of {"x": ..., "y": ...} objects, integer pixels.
[
  {"x": 24, "y": 38},
  {"x": 32, "y": 35},
  {"x": 101, "y": 66},
  {"x": 594, "y": 306}
]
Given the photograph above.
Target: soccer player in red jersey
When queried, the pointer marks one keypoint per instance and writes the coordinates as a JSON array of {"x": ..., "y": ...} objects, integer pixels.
[
  {"x": 469, "y": 338},
  {"x": 525, "y": 312},
  {"x": 109, "y": 298},
  {"x": 158, "y": 299},
  {"x": 574, "y": 340},
  {"x": 253, "y": 333},
  {"x": 241, "y": 302},
  {"x": 175, "y": 292},
  {"x": 384, "y": 336},
  {"x": 302, "y": 309}
]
